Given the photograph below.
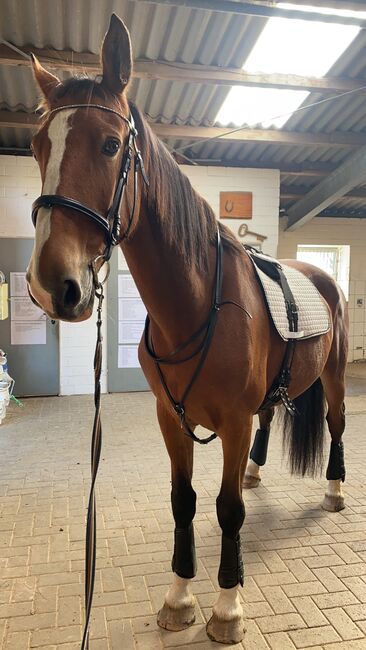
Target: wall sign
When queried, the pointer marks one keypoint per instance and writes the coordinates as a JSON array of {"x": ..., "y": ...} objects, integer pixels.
[{"x": 236, "y": 205}]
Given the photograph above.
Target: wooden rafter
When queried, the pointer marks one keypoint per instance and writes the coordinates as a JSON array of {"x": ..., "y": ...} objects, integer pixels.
[
  {"x": 190, "y": 73},
  {"x": 194, "y": 133},
  {"x": 289, "y": 193},
  {"x": 348, "y": 175},
  {"x": 268, "y": 136}
]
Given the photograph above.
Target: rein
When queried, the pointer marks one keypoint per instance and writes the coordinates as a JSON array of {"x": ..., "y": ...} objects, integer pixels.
[
  {"x": 111, "y": 225},
  {"x": 96, "y": 446}
]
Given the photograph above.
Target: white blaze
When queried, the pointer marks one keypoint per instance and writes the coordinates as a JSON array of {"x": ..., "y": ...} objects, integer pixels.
[{"x": 57, "y": 134}]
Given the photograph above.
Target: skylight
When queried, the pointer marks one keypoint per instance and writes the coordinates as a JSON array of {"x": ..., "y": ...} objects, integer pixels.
[{"x": 286, "y": 46}]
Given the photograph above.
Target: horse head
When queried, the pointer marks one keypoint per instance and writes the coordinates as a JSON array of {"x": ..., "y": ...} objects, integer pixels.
[{"x": 80, "y": 148}]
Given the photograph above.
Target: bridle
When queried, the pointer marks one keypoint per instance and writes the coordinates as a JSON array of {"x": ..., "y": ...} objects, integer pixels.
[{"x": 111, "y": 223}]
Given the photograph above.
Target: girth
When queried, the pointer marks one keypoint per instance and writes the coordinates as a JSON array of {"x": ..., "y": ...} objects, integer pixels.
[{"x": 279, "y": 389}]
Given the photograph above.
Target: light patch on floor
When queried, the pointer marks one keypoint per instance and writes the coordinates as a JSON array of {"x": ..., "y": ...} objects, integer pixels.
[{"x": 305, "y": 569}]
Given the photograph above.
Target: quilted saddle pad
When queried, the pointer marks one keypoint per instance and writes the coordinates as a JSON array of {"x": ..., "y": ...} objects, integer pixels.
[{"x": 313, "y": 312}]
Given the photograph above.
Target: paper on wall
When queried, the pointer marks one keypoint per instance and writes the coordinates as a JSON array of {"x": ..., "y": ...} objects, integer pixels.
[
  {"x": 122, "y": 264},
  {"x": 25, "y": 333},
  {"x": 132, "y": 309},
  {"x": 23, "y": 309},
  {"x": 18, "y": 284},
  {"x": 127, "y": 287},
  {"x": 130, "y": 332},
  {"x": 127, "y": 356}
]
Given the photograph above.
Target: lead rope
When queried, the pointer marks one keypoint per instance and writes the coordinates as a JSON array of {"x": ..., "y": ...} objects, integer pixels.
[{"x": 96, "y": 445}]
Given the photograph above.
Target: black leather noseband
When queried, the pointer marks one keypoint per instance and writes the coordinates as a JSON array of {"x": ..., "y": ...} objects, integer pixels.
[{"x": 111, "y": 224}]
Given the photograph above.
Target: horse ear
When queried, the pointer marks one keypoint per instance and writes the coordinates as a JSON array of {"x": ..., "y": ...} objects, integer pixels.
[
  {"x": 116, "y": 56},
  {"x": 45, "y": 80}
]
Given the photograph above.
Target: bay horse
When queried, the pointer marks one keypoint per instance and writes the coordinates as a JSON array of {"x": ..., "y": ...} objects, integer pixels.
[{"x": 210, "y": 352}]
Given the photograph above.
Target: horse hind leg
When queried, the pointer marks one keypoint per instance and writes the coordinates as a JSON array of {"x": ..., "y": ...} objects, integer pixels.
[
  {"x": 335, "y": 391},
  {"x": 178, "y": 611},
  {"x": 258, "y": 452}
]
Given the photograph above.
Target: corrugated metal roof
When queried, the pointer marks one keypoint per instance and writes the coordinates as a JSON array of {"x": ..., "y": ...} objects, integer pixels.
[
  {"x": 172, "y": 34},
  {"x": 185, "y": 35}
]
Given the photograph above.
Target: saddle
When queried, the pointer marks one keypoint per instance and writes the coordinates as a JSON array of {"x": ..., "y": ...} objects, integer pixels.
[{"x": 297, "y": 310}]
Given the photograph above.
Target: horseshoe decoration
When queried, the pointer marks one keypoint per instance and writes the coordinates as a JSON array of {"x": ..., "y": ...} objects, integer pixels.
[{"x": 236, "y": 205}]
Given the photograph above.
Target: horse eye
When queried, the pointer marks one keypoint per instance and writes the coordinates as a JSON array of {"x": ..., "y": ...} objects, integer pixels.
[{"x": 111, "y": 146}]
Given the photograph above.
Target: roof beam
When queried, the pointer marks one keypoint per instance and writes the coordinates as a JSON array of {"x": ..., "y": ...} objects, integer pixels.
[
  {"x": 348, "y": 175},
  {"x": 261, "y": 10},
  {"x": 18, "y": 119},
  {"x": 300, "y": 169},
  {"x": 29, "y": 120},
  {"x": 297, "y": 193},
  {"x": 343, "y": 213},
  {"x": 269, "y": 136},
  {"x": 190, "y": 73},
  {"x": 186, "y": 132}
]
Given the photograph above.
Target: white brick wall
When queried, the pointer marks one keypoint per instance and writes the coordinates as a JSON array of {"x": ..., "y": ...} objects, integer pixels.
[
  {"x": 351, "y": 232},
  {"x": 263, "y": 183},
  {"x": 19, "y": 186}
]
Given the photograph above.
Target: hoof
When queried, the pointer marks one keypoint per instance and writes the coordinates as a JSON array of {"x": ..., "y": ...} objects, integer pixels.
[
  {"x": 250, "y": 481},
  {"x": 225, "y": 631},
  {"x": 333, "y": 503},
  {"x": 175, "y": 620}
]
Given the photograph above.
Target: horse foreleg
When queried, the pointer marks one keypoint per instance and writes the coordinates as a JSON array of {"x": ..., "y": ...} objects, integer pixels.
[
  {"x": 258, "y": 452},
  {"x": 226, "y": 624},
  {"x": 177, "y": 612}
]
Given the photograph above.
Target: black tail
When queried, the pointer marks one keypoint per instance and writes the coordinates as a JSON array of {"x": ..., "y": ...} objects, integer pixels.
[{"x": 304, "y": 432}]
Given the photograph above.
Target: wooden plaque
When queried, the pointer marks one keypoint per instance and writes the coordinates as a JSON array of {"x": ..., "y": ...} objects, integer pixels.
[{"x": 236, "y": 205}]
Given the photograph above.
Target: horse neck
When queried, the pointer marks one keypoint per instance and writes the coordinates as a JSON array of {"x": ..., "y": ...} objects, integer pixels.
[{"x": 176, "y": 297}]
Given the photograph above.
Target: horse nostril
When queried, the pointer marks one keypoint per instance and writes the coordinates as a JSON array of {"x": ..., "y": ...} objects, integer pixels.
[{"x": 72, "y": 293}]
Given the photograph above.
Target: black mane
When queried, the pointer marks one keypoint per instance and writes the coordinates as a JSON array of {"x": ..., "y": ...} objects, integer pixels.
[{"x": 187, "y": 220}]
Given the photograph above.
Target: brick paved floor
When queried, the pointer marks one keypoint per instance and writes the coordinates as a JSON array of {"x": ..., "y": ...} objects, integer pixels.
[{"x": 305, "y": 568}]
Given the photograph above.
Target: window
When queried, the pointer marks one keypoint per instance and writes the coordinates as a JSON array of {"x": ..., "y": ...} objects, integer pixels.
[
  {"x": 308, "y": 48},
  {"x": 332, "y": 259}
]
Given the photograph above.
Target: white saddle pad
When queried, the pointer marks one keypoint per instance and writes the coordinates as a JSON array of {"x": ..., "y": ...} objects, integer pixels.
[{"x": 313, "y": 312}]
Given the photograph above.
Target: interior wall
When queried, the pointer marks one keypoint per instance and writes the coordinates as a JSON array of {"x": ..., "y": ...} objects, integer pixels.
[
  {"x": 264, "y": 185},
  {"x": 19, "y": 186},
  {"x": 351, "y": 232}
]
